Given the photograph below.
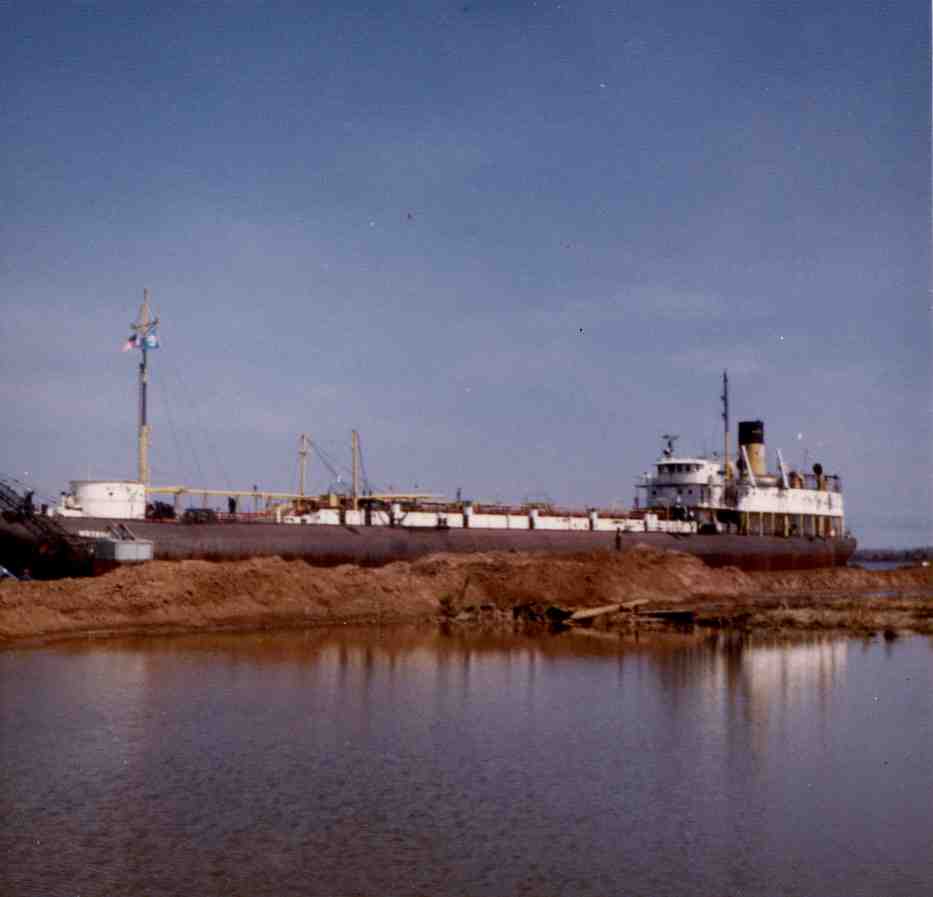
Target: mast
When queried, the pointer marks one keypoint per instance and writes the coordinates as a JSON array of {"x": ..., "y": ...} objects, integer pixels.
[
  {"x": 143, "y": 337},
  {"x": 356, "y": 469},
  {"x": 302, "y": 461},
  {"x": 725, "y": 421}
]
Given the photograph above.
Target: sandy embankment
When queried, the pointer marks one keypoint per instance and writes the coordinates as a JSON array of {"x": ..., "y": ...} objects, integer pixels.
[{"x": 462, "y": 589}]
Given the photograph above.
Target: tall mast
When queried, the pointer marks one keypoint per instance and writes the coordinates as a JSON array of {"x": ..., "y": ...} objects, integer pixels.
[
  {"x": 356, "y": 469},
  {"x": 302, "y": 461},
  {"x": 144, "y": 337},
  {"x": 725, "y": 422}
]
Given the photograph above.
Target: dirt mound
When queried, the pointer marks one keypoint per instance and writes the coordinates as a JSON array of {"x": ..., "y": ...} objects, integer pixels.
[
  {"x": 186, "y": 596},
  {"x": 842, "y": 579}
]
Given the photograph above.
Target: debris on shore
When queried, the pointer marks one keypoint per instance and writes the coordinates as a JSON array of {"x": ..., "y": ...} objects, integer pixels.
[{"x": 638, "y": 588}]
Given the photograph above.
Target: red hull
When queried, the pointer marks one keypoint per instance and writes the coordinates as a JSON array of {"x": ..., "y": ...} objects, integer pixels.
[{"x": 375, "y": 546}]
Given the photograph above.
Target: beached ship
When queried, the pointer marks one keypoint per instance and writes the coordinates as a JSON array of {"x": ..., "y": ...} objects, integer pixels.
[{"x": 726, "y": 513}]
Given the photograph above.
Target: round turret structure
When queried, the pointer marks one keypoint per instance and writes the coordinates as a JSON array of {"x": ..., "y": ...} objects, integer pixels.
[{"x": 116, "y": 499}]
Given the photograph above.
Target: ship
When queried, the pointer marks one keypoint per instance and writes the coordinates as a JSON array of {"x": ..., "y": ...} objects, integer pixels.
[{"x": 729, "y": 513}]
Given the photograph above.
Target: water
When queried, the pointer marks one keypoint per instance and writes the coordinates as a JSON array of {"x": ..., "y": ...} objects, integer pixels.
[
  {"x": 409, "y": 762},
  {"x": 882, "y": 565}
]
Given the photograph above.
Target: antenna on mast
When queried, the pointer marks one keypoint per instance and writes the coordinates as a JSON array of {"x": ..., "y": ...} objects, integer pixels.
[
  {"x": 143, "y": 336},
  {"x": 725, "y": 422},
  {"x": 669, "y": 440}
]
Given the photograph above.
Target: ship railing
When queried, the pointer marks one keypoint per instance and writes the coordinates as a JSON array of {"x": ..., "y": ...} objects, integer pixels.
[
  {"x": 564, "y": 512},
  {"x": 517, "y": 510},
  {"x": 221, "y": 517},
  {"x": 830, "y": 483}
]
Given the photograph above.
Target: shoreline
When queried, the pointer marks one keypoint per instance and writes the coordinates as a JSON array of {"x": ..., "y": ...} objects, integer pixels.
[{"x": 640, "y": 589}]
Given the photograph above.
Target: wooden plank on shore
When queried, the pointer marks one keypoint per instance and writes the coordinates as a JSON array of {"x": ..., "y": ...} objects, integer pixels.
[{"x": 590, "y": 613}]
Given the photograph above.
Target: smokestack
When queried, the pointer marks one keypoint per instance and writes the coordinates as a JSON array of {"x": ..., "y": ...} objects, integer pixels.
[{"x": 752, "y": 436}]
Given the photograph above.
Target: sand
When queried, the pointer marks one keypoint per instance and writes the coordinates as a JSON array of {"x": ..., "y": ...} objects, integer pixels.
[{"x": 463, "y": 590}]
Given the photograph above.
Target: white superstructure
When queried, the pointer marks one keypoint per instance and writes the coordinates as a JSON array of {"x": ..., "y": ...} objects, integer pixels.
[{"x": 744, "y": 498}]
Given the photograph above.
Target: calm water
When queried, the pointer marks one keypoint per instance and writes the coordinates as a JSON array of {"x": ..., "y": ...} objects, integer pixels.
[{"x": 409, "y": 762}]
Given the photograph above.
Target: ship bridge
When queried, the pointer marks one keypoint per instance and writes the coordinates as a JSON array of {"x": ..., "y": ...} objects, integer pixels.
[
  {"x": 683, "y": 482},
  {"x": 744, "y": 497}
]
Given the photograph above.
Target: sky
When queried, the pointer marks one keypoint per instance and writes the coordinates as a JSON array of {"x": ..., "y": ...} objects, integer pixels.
[{"x": 511, "y": 243}]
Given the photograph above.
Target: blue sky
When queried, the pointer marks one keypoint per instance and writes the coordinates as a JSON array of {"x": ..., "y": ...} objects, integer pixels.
[{"x": 511, "y": 243}]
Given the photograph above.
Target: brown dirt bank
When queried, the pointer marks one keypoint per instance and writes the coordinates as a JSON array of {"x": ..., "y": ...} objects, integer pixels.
[{"x": 189, "y": 596}]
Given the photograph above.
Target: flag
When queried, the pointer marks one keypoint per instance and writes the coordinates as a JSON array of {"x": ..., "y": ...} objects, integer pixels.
[
  {"x": 151, "y": 340},
  {"x": 131, "y": 343}
]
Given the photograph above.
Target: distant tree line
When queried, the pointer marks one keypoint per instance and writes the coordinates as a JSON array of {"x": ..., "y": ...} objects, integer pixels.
[{"x": 894, "y": 554}]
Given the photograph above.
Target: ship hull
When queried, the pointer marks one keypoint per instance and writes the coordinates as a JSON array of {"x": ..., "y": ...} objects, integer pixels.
[{"x": 376, "y": 546}]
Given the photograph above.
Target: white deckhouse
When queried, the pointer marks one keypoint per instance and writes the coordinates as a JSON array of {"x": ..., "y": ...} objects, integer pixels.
[{"x": 745, "y": 498}]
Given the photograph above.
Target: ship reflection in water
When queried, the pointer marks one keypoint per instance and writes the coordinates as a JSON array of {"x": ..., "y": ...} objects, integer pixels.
[{"x": 408, "y": 761}]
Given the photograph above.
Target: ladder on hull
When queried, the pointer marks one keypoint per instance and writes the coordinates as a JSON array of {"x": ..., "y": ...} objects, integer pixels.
[{"x": 49, "y": 535}]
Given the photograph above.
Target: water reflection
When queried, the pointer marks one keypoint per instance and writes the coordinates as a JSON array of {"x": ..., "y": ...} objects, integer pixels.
[{"x": 410, "y": 760}]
